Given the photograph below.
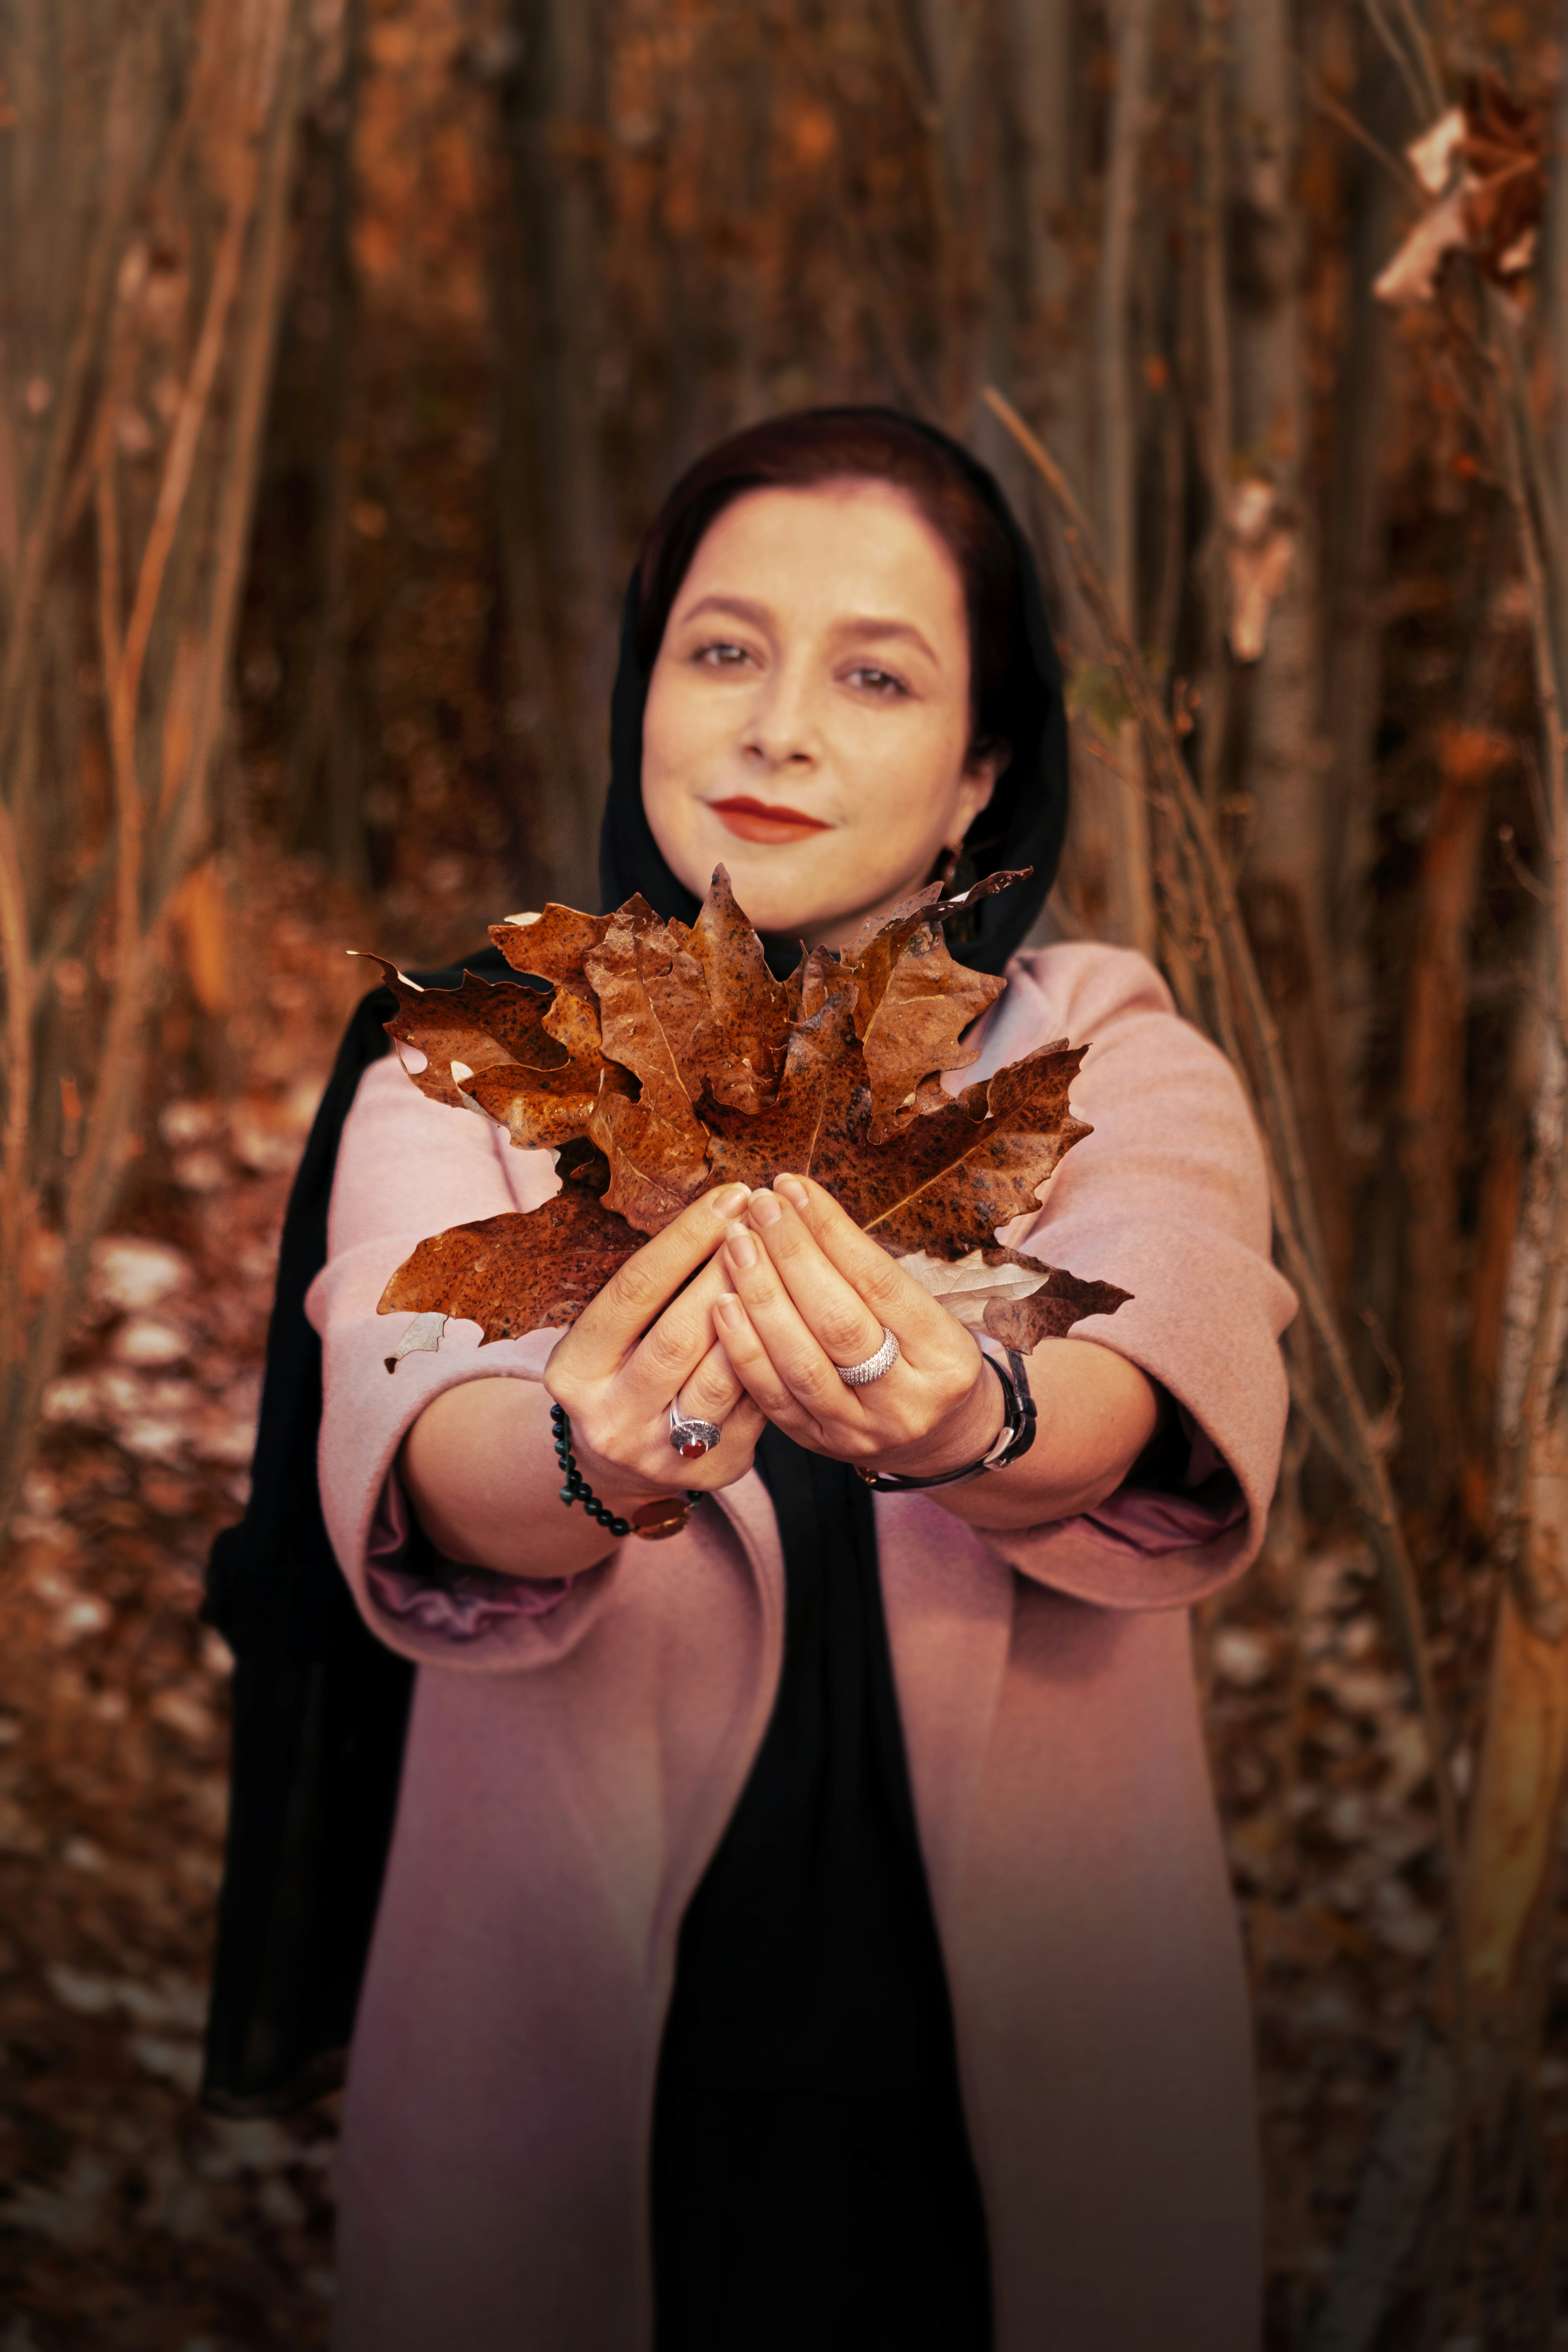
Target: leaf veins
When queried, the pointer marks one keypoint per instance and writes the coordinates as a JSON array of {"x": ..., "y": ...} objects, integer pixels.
[
  {"x": 912, "y": 1002},
  {"x": 525, "y": 1270}
]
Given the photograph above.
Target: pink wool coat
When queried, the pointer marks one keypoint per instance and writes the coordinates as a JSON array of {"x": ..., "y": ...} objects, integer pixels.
[{"x": 574, "y": 1758}]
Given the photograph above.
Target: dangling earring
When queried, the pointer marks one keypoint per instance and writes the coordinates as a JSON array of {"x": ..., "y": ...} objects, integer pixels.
[
  {"x": 958, "y": 873},
  {"x": 956, "y": 870}
]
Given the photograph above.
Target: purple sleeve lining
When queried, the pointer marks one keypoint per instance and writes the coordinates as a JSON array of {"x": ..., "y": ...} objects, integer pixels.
[
  {"x": 465, "y": 1602},
  {"x": 1147, "y": 1522}
]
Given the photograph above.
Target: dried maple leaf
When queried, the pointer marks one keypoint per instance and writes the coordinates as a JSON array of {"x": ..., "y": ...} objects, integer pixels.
[
  {"x": 526, "y": 1270},
  {"x": 950, "y": 1179},
  {"x": 482, "y": 1024},
  {"x": 1019, "y": 1300},
  {"x": 656, "y": 1166},
  {"x": 736, "y": 1047},
  {"x": 690, "y": 1022},
  {"x": 652, "y": 999},
  {"x": 1050, "y": 1312},
  {"x": 552, "y": 947},
  {"x": 810, "y": 1129},
  {"x": 912, "y": 1002},
  {"x": 541, "y": 1110},
  {"x": 944, "y": 1182}
]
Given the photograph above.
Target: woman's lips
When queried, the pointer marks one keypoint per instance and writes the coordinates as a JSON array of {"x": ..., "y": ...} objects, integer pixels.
[{"x": 752, "y": 820}]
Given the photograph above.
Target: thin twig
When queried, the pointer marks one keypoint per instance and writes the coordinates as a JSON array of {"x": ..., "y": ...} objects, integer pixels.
[
  {"x": 1327, "y": 103},
  {"x": 1242, "y": 1016}
]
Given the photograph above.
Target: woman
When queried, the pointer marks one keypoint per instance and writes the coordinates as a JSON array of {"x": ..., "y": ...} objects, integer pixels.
[{"x": 812, "y": 1927}]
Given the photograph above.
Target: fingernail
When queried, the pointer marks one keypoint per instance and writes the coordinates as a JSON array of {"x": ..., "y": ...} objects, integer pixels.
[
  {"x": 727, "y": 1311},
  {"x": 729, "y": 1200},
  {"x": 765, "y": 1209},
  {"x": 743, "y": 1251},
  {"x": 792, "y": 1190}
]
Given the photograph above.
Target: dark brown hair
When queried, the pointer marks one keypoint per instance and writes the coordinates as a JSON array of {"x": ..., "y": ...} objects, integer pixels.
[{"x": 820, "y": 445}]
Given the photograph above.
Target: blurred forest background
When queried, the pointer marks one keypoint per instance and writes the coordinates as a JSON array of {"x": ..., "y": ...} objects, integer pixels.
[{"x": 345, "y": 346}]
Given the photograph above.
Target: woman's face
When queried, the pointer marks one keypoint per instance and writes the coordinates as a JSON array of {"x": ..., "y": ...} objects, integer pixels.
[{"x": 808, "y": 714}]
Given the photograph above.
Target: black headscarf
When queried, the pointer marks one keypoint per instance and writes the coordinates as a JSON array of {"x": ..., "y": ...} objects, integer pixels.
[{"x": 1024, "y": 824}]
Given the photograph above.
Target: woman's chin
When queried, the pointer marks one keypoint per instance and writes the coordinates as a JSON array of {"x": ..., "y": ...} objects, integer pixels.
[{"x": 783, "y": 888}]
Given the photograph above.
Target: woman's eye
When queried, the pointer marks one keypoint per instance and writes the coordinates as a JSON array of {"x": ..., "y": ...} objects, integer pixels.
[
  {"x": 721, "y": 655},
  {"x": 876, "y": 681}
]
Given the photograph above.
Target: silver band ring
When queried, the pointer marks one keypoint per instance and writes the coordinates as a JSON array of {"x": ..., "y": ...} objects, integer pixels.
[
  {"x": 860, "y": 1376},
  {"x": 691, "y": 1439}
]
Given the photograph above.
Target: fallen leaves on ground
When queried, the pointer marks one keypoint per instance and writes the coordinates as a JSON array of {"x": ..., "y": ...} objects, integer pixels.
[{"x": 130, "y": 2222}]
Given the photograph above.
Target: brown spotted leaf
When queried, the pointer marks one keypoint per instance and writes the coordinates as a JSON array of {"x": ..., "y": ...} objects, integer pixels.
[
  {"x": 656, "y": 1166},
  {"x": 817, "y": 1121},
  {"x": 949, "y": 1179},
  {"x": 652, "y": 1002},
  {"x": 946, "y": 1182},
  {"x": 482, "y": 1024},
  {"x": 736, "y": 1047},
  {"x": 913, "y": 1003},
  {"x": 552, "y": 947},
  {"x": 690, "y": 1022},
  {"x": 1019, "y": 1300},
  {"x": 1050, "y": 1312},
  {"x": 541, "y": 1110},
  {"x": 526, "y": 1270}
]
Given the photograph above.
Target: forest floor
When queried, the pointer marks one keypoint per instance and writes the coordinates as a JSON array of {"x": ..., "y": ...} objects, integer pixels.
[{"x": 135, "y": 2220}]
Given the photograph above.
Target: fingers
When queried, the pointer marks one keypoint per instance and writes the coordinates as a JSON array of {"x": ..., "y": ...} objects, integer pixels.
[
  {"x": 638, "y": 1293},
  {"x": 712, "y": 1391},
  {"x": 837, "y": 1315},
  {"x": 782, "y": 1352},
  {"x": 890, "y": 1296},
  {"x": 666, "y": 1358},
  {"x": 767, "y": 1391}
]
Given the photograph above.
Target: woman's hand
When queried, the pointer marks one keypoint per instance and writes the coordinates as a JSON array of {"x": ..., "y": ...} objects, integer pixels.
[
  {"x": 478, "y": 1463},
  {"x": 811, "y": 1292},
  {"x": 647, "y": 1341}
]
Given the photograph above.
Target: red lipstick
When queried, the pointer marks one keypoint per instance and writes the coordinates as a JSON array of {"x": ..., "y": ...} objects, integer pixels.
[{"x": 752, "y": 820}]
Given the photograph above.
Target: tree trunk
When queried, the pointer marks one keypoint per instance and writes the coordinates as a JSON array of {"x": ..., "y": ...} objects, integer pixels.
[
  {"x": 1107, "y": 869},
  {"x": 1355, "y": 569},
  {"x": 1432, "y": 1111},
  {"x": 142, "y": 216},
  {"x": 557, "y": 544},
  {"x": 1284, "y": 763}
]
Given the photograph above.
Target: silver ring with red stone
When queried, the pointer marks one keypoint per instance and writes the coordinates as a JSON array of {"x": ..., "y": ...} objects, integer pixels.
[
  {"x": 692, "y": 1439},
  {"x": 860, "y": 1376}
]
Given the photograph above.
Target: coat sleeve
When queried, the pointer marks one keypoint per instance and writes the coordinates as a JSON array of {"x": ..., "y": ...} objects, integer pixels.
[
  {"x": 1168, "y": 1197},
  {"x": 407, "y": 1167}
]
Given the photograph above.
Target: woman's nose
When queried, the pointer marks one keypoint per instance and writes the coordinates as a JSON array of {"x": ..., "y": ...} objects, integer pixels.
[{"x": 783, "y": 728}]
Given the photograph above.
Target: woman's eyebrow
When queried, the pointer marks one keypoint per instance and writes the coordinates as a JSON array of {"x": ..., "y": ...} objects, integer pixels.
[
  {"x": 870, "y": 624},
  {"x": 743, "y": 608}
]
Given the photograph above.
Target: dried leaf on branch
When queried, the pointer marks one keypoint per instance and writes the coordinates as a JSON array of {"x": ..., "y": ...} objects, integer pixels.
[
  {"x": 1485, "y": 165},
  {"x": 696, "y": 1068}
]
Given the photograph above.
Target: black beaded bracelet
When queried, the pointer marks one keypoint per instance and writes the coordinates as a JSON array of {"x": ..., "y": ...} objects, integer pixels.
[
  {"x": 662, "y": 1517},
  {"x": 576, "y": 1489}
]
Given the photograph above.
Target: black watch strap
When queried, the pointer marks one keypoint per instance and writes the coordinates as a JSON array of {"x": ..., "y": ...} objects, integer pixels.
[{"x": 1018, "y": 1431}]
